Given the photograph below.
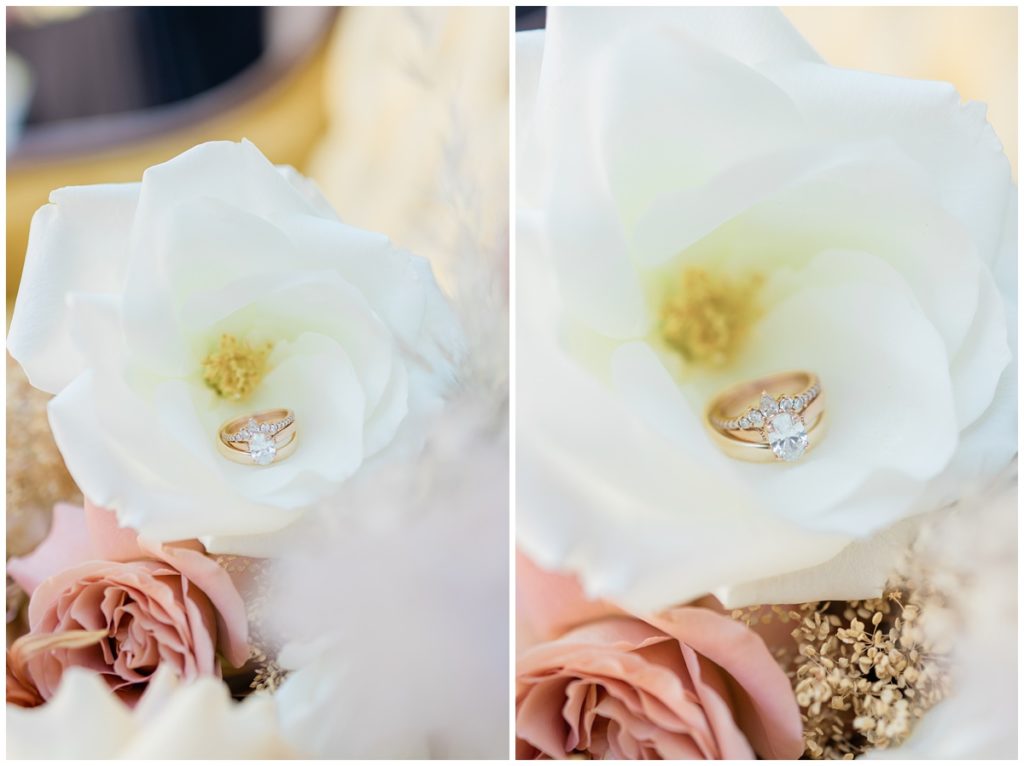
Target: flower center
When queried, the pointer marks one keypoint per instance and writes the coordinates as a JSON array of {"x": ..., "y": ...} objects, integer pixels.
[
  {"x": 707, "y": 316},
  {"x": 235, "y": 368}
]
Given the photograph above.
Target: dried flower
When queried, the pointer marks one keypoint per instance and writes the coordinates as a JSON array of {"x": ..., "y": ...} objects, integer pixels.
[
  {"x": 863, "y": 671},
  {"x": 36, "y": 476}
]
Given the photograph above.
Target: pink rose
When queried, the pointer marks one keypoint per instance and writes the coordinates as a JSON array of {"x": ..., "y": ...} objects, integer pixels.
[
  {"x": 688, "y": 683},
  {"x": 104, "y": 599}
]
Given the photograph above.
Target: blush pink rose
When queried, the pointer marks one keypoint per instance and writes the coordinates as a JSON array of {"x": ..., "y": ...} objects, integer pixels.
[
  {"x": 689, "y": 683},
  {"x": 104, "y": 599}
]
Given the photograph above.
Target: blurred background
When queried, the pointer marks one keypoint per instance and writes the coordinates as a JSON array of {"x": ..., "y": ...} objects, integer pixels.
[
  {"x": 975, "y": 48},
  {"x": 384, "y": 107}
]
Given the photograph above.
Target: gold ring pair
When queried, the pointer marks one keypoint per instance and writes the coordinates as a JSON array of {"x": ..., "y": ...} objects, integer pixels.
[
  {"x": 775, "y": 418},
  {"x": 260, "y": 439}
]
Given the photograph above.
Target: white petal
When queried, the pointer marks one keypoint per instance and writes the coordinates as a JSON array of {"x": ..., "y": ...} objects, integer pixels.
[
  {"x": 861, "y": 570},
  {"x": 651, "y": 137},
  {"x": 583, "y": 236},
  {"x": 233, "y": 173},
  {"x": 951, "y": 141},
  {"x": 106, "y": 436},
  {"x": 389, "y": 412},
  {"x": 397, "y": 285},
  {"x": 888, "y": 394},
  {"x": 92, "y": 722},
  {"x": 279, "y": 307},
  {"x": 982, "y": 357},
  {"x": 77, "y": 243},
  {"x": 310, "y": 191},
  {"x": 875, "y": 205}
]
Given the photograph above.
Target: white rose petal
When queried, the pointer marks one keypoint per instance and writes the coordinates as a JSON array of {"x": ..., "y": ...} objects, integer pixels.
[{"x": 197, "y": 720}]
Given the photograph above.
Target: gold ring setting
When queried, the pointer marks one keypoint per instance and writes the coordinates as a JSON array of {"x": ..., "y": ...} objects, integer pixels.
[
  {"x": 749, "y": 423},
  {"x": 259, "y": 439}
]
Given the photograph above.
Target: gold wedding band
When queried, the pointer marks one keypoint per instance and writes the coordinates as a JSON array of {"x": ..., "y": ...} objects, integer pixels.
[
  {"x": 777, "y": 417},
  {"x": 260, "y": 439}
]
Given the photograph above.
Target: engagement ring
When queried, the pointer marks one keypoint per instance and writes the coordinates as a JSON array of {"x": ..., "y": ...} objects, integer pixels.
[
  {"x": 777, "y": 417},
  {"x": 263, "y": 438}
]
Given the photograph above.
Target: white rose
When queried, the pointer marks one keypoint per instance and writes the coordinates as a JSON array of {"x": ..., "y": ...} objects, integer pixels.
[
  {"x": 131, "y": 292},
  {"x": 86, "y": 721},
  {"x": 872, "y": 222}
]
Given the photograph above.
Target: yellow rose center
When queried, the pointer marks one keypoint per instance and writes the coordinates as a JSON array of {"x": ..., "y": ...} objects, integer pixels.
[
  {"x": 235, "y": 368},
  {"x": 706, "y": 317}
]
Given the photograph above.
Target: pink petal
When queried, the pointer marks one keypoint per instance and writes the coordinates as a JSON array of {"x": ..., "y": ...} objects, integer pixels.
[
  {"x": 550, "y": 603},
  {"x": 763, "y": 702},
  {"x": 113, "y": 542},
  {"x": 67, "y": 544}
]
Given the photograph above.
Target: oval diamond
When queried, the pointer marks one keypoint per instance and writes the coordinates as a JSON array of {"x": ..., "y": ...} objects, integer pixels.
[
  {"x": 787, "y": 436},
  {"x": 262, "y": 449}
]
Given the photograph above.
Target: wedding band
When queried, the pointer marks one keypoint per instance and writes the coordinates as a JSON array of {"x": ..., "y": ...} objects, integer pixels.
[
  {"x": 777, "y": 417},
  {"x": 261, "y": 439}
]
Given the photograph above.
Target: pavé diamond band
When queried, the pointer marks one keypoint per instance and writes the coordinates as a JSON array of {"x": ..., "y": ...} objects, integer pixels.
[
  {"x": 259, "y": 439},
  {"x": 777, "y": 417}
]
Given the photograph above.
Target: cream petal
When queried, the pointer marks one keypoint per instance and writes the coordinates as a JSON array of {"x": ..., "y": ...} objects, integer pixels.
[
  {"x": 77, "y": 244},
  {"x": 309, "y": 190},
  {"x": 871, "y": 376},
  {"x": 398, "y": 286},
  {"x": 860, "y": 570},
  {"x": 330, "y": 409},
  {"x": 232, "y": 173},
  {"x": 683, "y": 147},
  {"x": 950, "y": 140},
  {"x": 206, "y": 244},
  {"x": 982, "y": 357},
  {"x": 880, "y": 207},
  {"x": 98, "y": 728},
  {"x": 582, "y": 234},
  {"x": 105, "y": 434}
]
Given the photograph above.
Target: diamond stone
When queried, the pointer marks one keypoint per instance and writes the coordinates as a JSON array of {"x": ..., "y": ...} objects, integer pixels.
[
  {"x": 744, "y": 422},
  {"x": 768, "y": 405},
  {"x": 756, "y": 418},
  {"x": 786, "y": 436},
  {"x": 262, "y": 449}
]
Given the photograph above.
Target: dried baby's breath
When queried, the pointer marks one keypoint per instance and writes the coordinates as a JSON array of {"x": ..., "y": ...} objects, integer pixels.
[{"x": 863, "y": 671}]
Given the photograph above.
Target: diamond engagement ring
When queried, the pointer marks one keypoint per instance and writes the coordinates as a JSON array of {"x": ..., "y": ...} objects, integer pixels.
[
  {"x": 259, "y": 439},
  {"x": 777, "y": 417}
]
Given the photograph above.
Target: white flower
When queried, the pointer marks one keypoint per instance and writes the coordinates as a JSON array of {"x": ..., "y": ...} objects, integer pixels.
[
  {"x": 197, "y": 720},
  {"x": 140, "y": 300},
  {"x": 703, "y": 166}
]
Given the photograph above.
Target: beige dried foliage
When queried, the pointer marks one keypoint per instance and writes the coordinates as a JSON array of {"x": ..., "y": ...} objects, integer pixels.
[
  {"x": 36, "y": 476},
  {"x": 863, "y": 672}
]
